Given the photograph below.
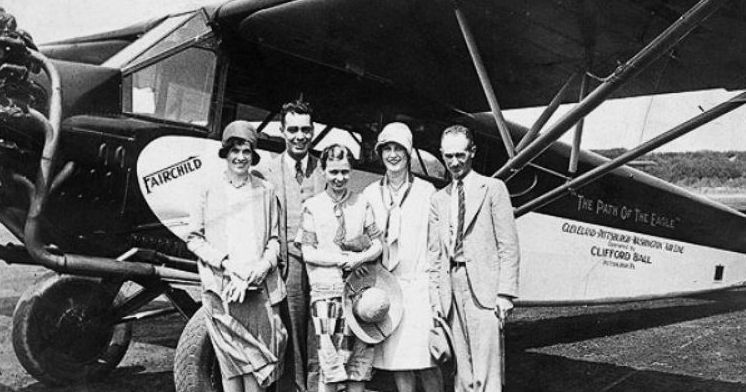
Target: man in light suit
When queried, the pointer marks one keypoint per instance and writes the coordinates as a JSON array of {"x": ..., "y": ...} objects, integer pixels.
[
  {"x": 474, "y": 255},
  {"x": 296, "y": 176}
]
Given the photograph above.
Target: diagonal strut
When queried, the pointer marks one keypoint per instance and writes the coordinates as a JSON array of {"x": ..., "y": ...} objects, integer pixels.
[
  {"x": 484, "y": 79},
  {"x": 666, "y": 137},
  {"x": 655, "y": 49}
]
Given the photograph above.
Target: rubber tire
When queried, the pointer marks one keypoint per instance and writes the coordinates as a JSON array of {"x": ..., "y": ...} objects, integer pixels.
[
  {"x": 195, "y": 365},
  {"x": 51, "y": 367}
]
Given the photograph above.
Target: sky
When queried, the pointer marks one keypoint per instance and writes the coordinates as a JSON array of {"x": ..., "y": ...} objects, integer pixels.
[
  {"x": 620, "y": 123},
  {"x": 630, "y": 121}
]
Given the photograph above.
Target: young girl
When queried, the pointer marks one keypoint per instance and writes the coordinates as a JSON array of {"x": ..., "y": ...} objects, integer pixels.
[{"x": 330, "y": 222}]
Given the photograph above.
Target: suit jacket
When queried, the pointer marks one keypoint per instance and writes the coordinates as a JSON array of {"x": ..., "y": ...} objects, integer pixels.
[
  {"x": 275, "y": 171},
  {"x": 490, "y": 244}
]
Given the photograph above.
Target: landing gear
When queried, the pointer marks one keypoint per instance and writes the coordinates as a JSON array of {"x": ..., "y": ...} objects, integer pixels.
[
  {"x": 195, "y": 365},
  {"x": 64, "y": 332}
]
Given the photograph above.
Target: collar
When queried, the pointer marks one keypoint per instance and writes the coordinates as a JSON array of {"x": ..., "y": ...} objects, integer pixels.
[
  {"x": 385, "y": 180},
  {"x": 290, "y": 162},
  {"x": 467, "y": 179},
  {"x": 340, "y": 201}
]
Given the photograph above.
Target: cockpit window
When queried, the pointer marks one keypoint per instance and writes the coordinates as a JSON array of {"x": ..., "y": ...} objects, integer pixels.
[
  {"x": 192, "y": 29},
  {"x": 169, "y": 34},
  {"x": 177, "y": 88}
]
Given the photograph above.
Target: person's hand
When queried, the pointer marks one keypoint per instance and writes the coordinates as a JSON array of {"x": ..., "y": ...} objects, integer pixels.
[
  {"x": 342, "y": 261},
  {"x": 228, "y": 265},
  {"x": 361, "y": 271},
  {"x": 236, "y": 289},
  {"x": 504, "y": 308},
  {"x": 353, "y": 261},
  {"x": 227, "y": 291},
  {"x": 259, "y": 273}
]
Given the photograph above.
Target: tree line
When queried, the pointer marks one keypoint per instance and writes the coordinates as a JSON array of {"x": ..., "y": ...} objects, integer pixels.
[{"x": 692, "y": 169}]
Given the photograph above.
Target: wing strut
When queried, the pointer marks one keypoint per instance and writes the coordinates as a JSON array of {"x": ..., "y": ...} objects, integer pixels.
[
  {"x": 484, "y": 79},
  {"x": 546, "y": 114},
  {"x": 578, "y": 136},
  {"x": 666, "y": 137},
  {"x": 659, "y": 46}
]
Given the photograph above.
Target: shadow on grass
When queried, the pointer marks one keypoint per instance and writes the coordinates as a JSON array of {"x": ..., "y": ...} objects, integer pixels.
[
  {"x": 125, "y": 379},
  {"x": 540, "y": 372},
  {"x": 604, "y": 321}
]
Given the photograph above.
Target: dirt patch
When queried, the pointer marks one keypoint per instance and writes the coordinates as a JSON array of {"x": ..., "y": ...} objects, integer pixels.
[{"x": 693, "y": 344}]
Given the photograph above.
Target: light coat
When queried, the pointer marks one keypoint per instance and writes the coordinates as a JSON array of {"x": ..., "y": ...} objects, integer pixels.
[
  {"x": 490, "y": 244},
  {"x": 209, "y": 232}
]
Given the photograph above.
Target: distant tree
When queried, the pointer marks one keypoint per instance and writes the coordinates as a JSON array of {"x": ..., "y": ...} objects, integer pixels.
[{"x": 693, "y": 168}]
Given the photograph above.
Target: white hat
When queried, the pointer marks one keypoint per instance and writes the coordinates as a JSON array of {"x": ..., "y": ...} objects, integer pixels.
[
  {"x": 398, "y": 133},
  {"x": 372, "y": 304}
]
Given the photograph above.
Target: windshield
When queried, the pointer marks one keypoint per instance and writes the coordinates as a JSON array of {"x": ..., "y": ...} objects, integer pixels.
[
  {"x": 177, "y": 88},
  {"x": 168, "y": 34}
]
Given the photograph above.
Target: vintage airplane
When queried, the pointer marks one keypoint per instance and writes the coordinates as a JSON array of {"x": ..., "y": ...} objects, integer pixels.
[{"x": 100, "y": 150}]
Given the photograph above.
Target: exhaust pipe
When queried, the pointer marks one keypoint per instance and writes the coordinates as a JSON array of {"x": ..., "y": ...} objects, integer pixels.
[{"x": 45, "y": 183}]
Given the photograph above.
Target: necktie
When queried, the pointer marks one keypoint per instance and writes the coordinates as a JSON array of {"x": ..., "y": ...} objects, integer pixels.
[
  {"x": 393, "y": 227},
  {"x": 299, "y": 172},
  {"x": 458, "y": 247},
  {"x": 339, "y": 237}
]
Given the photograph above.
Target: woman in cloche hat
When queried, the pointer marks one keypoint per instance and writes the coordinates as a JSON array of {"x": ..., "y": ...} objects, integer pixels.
[
  {"x": 401, "y": 206},
  {"x": 234, "y": 232}
]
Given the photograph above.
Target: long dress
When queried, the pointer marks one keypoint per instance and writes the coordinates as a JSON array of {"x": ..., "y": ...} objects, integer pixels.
[
  {"x": 403, "y": 218},
  {"x": 240, "y": 223}
]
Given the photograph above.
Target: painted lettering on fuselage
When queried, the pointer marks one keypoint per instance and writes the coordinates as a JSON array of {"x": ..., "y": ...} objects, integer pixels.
[
  {"x": 622, "y": 212},
  {"x": 170, "y": 173},
  {"x": 620, "y": 249}
]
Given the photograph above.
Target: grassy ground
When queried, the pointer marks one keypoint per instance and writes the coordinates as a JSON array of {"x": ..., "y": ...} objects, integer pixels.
[{"x": 692, "y": 344}]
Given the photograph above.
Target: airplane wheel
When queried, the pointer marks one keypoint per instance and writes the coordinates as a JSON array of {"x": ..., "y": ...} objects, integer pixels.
[
  {"x": 62, "y": 334},
  {"x": 196, "y": 368}
]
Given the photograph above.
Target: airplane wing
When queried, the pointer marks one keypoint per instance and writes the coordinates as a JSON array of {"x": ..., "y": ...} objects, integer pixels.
[
  {"x": 96, "y": 48},
  {"x": 530, "y": 47}
]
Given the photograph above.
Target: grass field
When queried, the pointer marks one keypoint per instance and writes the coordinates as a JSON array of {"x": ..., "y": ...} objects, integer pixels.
[{"x": 675, "y": 345}]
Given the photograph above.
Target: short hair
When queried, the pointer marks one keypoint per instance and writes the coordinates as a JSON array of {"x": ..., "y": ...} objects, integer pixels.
[
  {"x": 336, "y": 152},
  {"x": 230, "y": 143},
  {"x": 299, "y": 106},
  {"x": 459, "y": 130}
]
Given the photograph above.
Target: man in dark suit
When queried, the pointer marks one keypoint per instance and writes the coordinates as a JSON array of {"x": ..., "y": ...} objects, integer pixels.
[
  {"x": 296, "y": 176},
  {"x": 474, "y": 255}
]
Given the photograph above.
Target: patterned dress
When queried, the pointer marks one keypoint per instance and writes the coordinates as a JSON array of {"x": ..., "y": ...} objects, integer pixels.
[{"x": 324, "y": 224}]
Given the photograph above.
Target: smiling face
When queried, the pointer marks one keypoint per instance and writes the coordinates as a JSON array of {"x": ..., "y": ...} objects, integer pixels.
[
  {"x": 458, "y": 154},
  {"x": 298, "y": 132},
  {"x": 337, "y": 174},
  {"x": 394, "y": 157},
  {"x": 238, "y": 159}
]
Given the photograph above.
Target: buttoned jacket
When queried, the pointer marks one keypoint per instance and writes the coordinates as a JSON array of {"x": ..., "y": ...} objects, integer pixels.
[
  {"x": 276, "y": 172},
  {"x": 490, "y": 243}
]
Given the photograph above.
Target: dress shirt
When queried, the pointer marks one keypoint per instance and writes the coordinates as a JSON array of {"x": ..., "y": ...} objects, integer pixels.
[{"x": 290, "y": 163}]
